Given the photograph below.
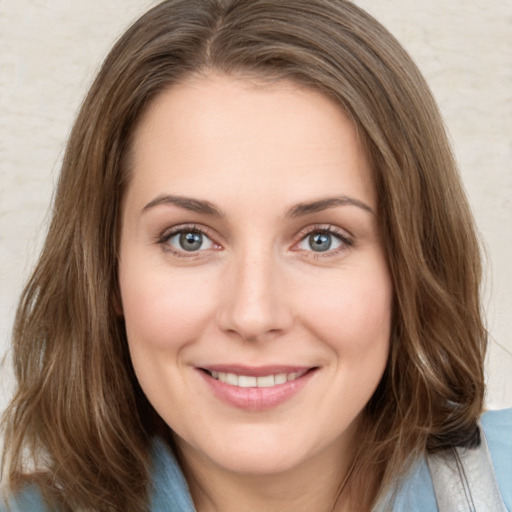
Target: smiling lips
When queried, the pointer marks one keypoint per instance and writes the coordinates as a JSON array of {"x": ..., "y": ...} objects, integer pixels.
[{"x": 256, "y": 389}]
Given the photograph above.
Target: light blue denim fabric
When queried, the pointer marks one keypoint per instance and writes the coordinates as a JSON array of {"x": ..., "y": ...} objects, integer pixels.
[
  {"x": 416, "y": 493},
  {"x": 170, "y": 490}
]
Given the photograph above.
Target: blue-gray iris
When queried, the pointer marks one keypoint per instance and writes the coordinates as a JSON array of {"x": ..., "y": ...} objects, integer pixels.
[
  {"x": 320, "y": 242},
  {"x": 191, "y": 241}
]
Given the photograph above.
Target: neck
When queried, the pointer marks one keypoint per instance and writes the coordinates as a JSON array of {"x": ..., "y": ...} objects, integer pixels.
[{"x": 319, "y": 485}]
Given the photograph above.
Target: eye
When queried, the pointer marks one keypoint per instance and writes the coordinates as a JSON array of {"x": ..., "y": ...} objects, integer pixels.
[
  {"x": 187, "y": 240},
  {"x": 324, "y": 240}
]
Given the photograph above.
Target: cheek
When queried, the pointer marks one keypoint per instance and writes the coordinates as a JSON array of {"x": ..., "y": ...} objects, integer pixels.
[
  {"x": 164, "y": 313},
  {"x": 353, "y": 319},
  {"x": 163, "y": 310},
  {"x": 353, "y": 310}
]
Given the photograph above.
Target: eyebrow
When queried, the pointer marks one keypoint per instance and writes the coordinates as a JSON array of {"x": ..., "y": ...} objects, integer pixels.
[
  {"x": 320, "y": 205},
  {"x": 299, "y": 210},
  {"x": 187, "y": 203}
]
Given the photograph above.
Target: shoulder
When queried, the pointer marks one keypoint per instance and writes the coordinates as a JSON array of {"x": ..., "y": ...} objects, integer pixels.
[
  {"x": 417, "y": 493},
  {"x": 497, "y": 427},
  {"x": 169, "y": 491},
  {"x": 29, "y": 499}
]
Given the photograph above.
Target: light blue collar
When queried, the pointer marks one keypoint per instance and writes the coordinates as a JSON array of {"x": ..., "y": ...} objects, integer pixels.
[{"x": 170, "y": 490}]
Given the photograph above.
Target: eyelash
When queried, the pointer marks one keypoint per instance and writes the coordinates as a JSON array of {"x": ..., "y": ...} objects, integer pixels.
[{"x": 345, "y": 239}]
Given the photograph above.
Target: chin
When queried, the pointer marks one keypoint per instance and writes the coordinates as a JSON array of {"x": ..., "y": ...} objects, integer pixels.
[
  {"x": 250, "y": 450},
  {"x": 259, "y": 462}
]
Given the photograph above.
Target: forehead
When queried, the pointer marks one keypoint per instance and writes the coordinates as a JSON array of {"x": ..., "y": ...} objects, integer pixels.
[{"x": 251, "y": 135}]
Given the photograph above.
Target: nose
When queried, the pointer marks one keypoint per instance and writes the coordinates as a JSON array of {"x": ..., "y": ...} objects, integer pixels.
[{"x": 254, "y": 304}]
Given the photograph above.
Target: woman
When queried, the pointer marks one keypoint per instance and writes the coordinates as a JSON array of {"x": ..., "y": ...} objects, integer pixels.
[{"x": 259, "y": 290}]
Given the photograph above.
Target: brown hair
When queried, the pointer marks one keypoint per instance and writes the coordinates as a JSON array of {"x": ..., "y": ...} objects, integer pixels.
[{"x": 78, "y": 411}]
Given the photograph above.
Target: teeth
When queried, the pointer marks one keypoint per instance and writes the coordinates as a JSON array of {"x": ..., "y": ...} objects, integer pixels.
[
  {"x": 266, "y": 382},
  {"x": 247, "y": 381},
  {"x": 231, "y": 378},
  {"x": 280, "y": 378}
]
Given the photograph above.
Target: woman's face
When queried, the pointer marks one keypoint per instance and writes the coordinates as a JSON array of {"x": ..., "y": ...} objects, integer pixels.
[{"x": 254, "y": 284}]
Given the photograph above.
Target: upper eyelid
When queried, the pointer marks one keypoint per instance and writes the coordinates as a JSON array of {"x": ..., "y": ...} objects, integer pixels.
[
  {"x": 325, "y": 228},
  {"x": 180, "y": 228}
]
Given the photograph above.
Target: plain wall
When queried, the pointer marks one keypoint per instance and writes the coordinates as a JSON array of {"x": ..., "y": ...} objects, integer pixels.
[{"x": 51, "y": 49}]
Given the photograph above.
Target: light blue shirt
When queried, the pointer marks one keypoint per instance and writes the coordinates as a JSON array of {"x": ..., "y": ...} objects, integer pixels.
[{"x": 170, "y": 491}]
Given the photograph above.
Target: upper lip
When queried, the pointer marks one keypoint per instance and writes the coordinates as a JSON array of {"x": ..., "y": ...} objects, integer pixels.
[{"x": 255, "y": 371}]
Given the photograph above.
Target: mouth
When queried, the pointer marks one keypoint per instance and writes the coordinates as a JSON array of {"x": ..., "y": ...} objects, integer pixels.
[{"x": 256, "y": 388}]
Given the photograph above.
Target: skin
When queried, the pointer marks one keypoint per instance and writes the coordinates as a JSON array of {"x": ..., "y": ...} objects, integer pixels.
[{"x": 256, "y": 292}]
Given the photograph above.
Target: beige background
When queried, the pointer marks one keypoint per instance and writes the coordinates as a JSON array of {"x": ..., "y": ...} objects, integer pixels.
[{"x": 50, "y": 50}]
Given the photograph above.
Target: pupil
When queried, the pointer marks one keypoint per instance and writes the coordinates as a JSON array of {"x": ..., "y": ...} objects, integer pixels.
[
  {"x": 191, "y": 241},
  {"x": 320, "y": 242}
]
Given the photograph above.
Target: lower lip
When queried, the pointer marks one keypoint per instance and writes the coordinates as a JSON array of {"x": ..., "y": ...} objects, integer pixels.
[{"x": 256, "y": 399}]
